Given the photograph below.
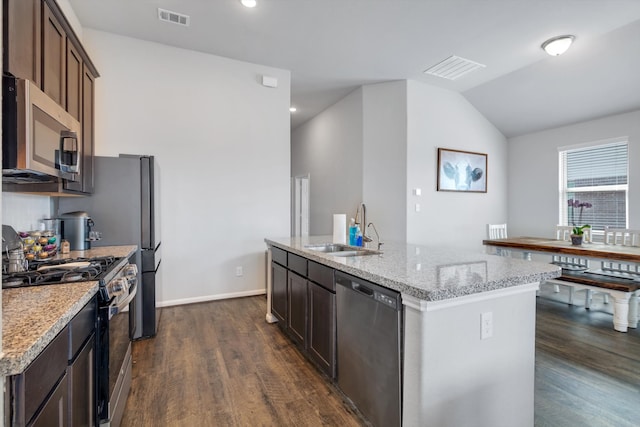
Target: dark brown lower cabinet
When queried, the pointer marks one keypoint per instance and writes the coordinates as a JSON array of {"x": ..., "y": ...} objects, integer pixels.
[
  {"x": 279, "y": 293},
  {"x": 322, "y": 328},
  {"x": 54, "y": 413},
  {"x": 297, "y": 325},
  {"x": 81, "y": 373},
  {"x": 305, "y": 306},
  {"x": 58, "y": 388}
]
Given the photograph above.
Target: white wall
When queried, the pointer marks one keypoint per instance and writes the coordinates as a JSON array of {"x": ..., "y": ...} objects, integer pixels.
[
  {"x": 533, "y": 171},
  {"x": 385, "y": 158},
  {"x": 443, "y": 118},
  {"x": 394, "y": 132},
  {"x": 222, "y": 142},
  {"x": 329, "y": 148},
  {"x": 24, "y": 211}
]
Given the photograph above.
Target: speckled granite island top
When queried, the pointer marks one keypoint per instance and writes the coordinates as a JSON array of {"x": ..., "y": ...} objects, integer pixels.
[
  {"x": 431, "y": 273},
  {"x": 33, "y": 316}
]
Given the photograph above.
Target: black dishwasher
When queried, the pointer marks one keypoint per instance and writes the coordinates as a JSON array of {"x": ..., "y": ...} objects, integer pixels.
[{"x": 369, "y": 320}]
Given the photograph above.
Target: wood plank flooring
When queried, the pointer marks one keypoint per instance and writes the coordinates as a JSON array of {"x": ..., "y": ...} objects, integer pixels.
[
  {"x": 221, "y": 364},
  {"x": 587, "y": 374}
]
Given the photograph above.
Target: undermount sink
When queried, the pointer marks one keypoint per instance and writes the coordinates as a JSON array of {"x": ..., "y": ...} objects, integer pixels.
[{"x": 338, "y": 249}]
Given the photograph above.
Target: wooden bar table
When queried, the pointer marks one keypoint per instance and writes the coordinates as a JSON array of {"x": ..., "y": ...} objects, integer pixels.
[
  {"x": 618, "y": 273},
  {"x": 587, "y": 250}
]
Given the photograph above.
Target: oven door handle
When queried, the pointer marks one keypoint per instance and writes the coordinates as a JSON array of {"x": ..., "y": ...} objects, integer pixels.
[{"x": 132, "y": 294}]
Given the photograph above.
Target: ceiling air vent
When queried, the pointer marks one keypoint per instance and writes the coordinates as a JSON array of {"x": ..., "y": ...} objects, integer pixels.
[
  {"x": 453, "y": 68},
  {"x": 173, "y": 17}
]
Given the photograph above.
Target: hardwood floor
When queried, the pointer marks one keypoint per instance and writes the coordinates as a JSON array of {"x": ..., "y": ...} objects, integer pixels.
[
  {"x": 221, "y": 364},
  {"x": 587, "y": 374}
]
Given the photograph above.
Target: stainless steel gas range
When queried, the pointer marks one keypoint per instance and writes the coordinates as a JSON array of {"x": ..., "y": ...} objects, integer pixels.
[{"x": 115, "y": 323}]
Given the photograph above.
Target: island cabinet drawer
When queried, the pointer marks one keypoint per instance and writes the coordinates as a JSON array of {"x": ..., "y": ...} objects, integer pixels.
[
  {"x": 298, "y": 264},
  {"x": 322, "y": 275},
  {"x": 279, "y": 256}
]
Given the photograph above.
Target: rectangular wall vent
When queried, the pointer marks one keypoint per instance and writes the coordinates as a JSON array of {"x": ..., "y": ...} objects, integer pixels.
[
  {"x": 173, "y": 17},
  {"x": 453, "y": 68}
]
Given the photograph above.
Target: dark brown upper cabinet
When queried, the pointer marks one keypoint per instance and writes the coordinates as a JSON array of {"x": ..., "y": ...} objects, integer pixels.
[
  {"x": 41, "y": 46},
  {"x": 54, "y": 48},
  {"x": 87, "y": 90},
  {"x": 22, "y": 39},
  {"x": 73, "y": 84}
]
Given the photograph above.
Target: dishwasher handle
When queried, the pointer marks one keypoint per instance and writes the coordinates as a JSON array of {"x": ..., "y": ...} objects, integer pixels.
[
  {"x": 358, "y": 287},
  {"x": 376, "y": 292}
]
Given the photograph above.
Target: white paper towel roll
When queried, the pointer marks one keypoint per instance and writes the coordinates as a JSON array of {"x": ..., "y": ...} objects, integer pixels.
[{"x": 339, "y": 228}]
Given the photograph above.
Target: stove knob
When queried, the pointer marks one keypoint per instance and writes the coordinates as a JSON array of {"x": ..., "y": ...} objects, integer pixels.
[
  {"x": 117, "y": 286},
  {"x": 131, "y": 270}
]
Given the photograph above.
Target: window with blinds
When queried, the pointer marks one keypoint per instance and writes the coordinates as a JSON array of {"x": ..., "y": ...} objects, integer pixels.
[{"x": 594, "y": 185}]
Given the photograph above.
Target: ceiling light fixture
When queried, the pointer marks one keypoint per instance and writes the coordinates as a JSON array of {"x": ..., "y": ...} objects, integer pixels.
[
  {"x": 556, "y": 46},
  {"x": 249, "y": 3},
  {"x": 293, "y": 109}
]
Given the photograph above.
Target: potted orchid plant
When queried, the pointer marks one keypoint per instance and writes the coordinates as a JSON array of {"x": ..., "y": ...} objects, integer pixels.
[{"x": 577, "y": 233}]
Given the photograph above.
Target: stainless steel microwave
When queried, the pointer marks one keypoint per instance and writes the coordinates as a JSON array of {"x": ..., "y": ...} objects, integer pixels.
[{"x": 40, "y": 140}]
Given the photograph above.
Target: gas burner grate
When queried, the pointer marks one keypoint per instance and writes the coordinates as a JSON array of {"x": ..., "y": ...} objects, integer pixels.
[{"x": 97, "y": 268}]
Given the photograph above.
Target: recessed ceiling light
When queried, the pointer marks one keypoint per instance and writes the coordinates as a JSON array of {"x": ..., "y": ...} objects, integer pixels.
[
  {"x": 293, "y": 109},
  {"x": 556, "y": 46},
  {"x": 249, "y": 3}
]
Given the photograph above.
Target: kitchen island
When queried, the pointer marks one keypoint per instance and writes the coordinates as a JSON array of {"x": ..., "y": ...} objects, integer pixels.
[{"x": 468, "y": 331}]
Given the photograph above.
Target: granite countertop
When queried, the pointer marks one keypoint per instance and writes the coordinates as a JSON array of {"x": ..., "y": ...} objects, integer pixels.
[
  {"x": 431, "y": 273},
  {"x": 33, "y": 316},
  {"x": 116, "y": 251}
]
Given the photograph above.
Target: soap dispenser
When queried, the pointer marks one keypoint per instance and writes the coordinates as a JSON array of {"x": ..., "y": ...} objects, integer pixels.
[
  {"x": 358, "y": 235},
  {"x": 353, "y": 232}
]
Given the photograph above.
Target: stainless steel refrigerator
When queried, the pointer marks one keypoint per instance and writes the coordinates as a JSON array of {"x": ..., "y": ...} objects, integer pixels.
[{"x": 125, "y": 208}]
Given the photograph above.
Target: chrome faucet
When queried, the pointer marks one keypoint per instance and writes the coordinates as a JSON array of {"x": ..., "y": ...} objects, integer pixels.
[
  {"x": 365, "y": 238},
  {"x": 377, "y": 235}
]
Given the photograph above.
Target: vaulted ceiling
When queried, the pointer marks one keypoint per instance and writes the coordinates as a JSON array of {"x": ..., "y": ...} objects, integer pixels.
[{"x": 334, "y": 46}]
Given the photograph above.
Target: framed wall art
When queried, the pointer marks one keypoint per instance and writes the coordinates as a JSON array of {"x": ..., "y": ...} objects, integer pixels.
[{"x": 464, "y": 171}]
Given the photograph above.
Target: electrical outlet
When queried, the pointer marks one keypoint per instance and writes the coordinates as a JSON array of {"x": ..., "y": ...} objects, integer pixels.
[
  {"x": 486, "y": 325},
  {"x": 417, "y": 207},
  {"x": 239, "y": 271}
]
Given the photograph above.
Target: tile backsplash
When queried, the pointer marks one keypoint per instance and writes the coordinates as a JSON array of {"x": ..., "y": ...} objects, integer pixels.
[{"x": 24, "y": 211}]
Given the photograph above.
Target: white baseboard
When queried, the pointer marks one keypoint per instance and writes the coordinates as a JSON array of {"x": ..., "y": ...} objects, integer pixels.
[{"x": 206, "y": 298}]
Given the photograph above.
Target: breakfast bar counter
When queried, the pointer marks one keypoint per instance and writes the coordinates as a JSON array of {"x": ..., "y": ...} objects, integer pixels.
[{"x": 428, "y": 273}]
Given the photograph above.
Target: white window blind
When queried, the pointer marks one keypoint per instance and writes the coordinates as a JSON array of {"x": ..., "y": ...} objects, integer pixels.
[{"x": 594, "y": 179}]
